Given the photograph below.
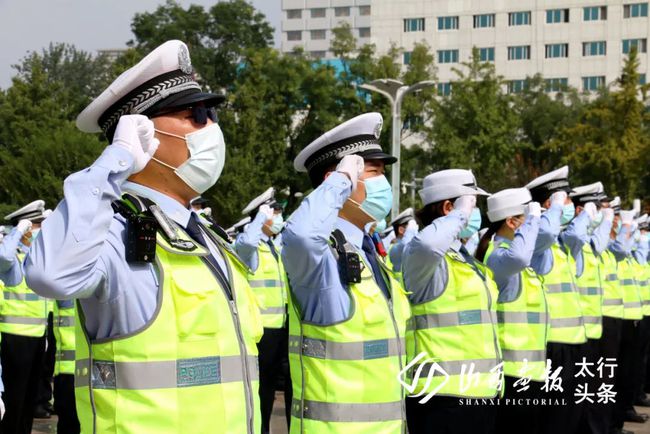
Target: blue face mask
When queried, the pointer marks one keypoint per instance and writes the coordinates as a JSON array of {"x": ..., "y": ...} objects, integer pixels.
[
  {"x": 381, "y": 226},
  {"x": 473, "y": 225},
  {"x": 568, "y": 212},
  {"x": 379, "y": 197},
  {"x": 278, "y": 224},
  {"x": 619, "y": 225}
]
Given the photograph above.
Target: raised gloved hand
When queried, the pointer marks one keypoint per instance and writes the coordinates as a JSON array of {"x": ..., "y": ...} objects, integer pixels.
[
  {"x": 533, "y": 209},
  {"x": 591, "y": 210},
  {"x": 627, "y": 217},
  {"x": 135, "y": 134},
  {"x": 207, "y": 211},
  {"x": 24, "y": 226},
  {"x": 266, "y": 211},
  {"x": 412, "y": 225},
  {"x": 47, "y": 213},
  {"x": 558, "y": 198},
  {"x": 608, "y": 214},
  {"x": 353, "y": 166},
  {"x": 2, "y": 409},
  {"x": 465, "y": 204}
]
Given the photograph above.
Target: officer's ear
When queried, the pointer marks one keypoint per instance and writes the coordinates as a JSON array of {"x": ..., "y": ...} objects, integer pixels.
[
  {"x": 579, "y": 209},
  {"x": 447, "y": 207}
]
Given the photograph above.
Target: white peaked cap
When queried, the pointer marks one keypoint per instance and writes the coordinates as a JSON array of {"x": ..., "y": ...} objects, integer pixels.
[
  {"x": 449, "y": 184},
  {"x": 266, "y": 197},
  {"x": 32, "y": 212},
  {"x": 507, "y": 203},
  {"x": 404, "y": 217},
  {"x": 588, "y": 193}
]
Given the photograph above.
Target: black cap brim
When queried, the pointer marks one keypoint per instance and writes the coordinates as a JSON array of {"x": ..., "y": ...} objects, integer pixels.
[
  {"x": 374, "y": 155},
  {"x": 185, "y": 99}
]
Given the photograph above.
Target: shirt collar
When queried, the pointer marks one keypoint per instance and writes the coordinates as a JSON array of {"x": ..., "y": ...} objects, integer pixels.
[
  {"x": 171, "y": 207},
  {"x": 456, "y": 245},
  {"x": 498, "y": 239},
  {"x": 353, "y": 234}
]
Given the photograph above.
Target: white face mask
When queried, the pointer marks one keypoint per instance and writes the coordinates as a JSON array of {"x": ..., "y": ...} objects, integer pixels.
[{"x": 207, "y": 158}]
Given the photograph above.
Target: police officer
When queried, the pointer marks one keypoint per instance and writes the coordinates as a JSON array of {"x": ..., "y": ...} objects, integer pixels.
[
  {"x": 269, "y": 282},
  {"x": 521, "y": 306},
  {"x": 23, "y": 321},
  {"x": 453, "y": 299},
  {"x": 405, "y": 228},
  {"x": 63, "y": 385},
  {"x": 348, "y": 314},
  {"x": 167, "y": 328}
]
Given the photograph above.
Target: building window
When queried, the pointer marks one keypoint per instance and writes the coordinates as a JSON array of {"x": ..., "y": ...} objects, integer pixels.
[
  {"x": 318, "y": 13},
  {"x": 318, "y": 54},
  {"x": 318, "y": 35},
  {"x": 556, "y": 84},
  {"x": 519, "y": 18},
  {"x": 364, "y": 11},
  {"x": 640, "y": 44},
  {"x": 295, "y": 35},
  {"x": 414, "y": 25},
  {"x": 407, "y": 58},
  {"x": 447, "y": 56},
  {"x": 444, "y": 89},
  {"x": 557, "y": 16},
  {"x": 447, "y": 23},
  {"x": 364, "y": 32},
  {"x": 641, "y": 79},
  {"x": 516, "y": 86},
  {"x": 635, "y": 10},
  {"x": 342, "y": 12},
  {"x": 487, "y": 54},
  {"x": 595, "y": 13},
  {"x": 596, "y": 48},
  {"x": 593, "y": 83},
  {"x": 521, "y": 52},
  {"x": 294, "y": 13},
  {"x": 557, "y": 50},
  {"x": 485, "y": 20}
]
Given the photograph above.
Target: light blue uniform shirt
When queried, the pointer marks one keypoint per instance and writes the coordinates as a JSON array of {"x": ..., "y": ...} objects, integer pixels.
[
  {"x": 11, "y": 270},
  {"x": 640, "y": 251},
  {"x": 549, "y": 230},
  {"x": 423, "y": 264},
  {"x": 395, "y": 253},
  {"x": 308, "y": 258},
  {"x": 248, "y": 241},
  {"x": 79, "y": 252},
  {"x": 507, "y": 263},
  {"x": 621, "y": 246}
]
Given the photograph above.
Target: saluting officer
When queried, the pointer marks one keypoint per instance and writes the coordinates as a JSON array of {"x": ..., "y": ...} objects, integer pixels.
[
  {"x": 167, "y": 329},
  {"x": 348, "y": 313},
  {"x": 405, "y": 228}
]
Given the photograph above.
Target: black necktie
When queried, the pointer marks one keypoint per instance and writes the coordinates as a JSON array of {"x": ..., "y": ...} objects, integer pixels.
[
  {"x": 371, "y": 255},
  {"x": 272, "y": 247},
  {"x": 194, "y": 230}
]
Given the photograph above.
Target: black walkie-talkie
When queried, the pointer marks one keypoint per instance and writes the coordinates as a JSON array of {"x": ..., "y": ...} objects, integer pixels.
[
  {"x": 348, "y": 261},
  {"x": 141, "y": 238}
]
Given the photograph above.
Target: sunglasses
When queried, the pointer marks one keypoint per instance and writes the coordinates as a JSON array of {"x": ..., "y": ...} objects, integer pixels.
[{"x": 199, "y": 113}]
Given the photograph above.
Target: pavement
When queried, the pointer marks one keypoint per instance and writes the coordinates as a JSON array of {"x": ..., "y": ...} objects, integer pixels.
[{"x": 278, "y": 423}]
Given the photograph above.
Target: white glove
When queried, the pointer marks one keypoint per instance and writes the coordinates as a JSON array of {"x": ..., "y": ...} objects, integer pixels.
[
  {"x": 24, "y": 226},
  {"x": 591, "y": 210},
  {"x": 266, "y": 211},
  {"x": 627, "y": 217},
  {"x": 135, "y": 134},
  {"x": 465, "y": 204},
  {"x": 533, "y": 209},
  {"x": 412, "y": 225},
  {"x": 558, "y": 198},
  {"x": 353, "y": 166},
  {"x": 47, "y": 213},
  {"x": 608, "y": 214},
  {"x": 207, "y": 211},
  {"x": 2, "y": 409},
  {"x": 636, "y": 206}
]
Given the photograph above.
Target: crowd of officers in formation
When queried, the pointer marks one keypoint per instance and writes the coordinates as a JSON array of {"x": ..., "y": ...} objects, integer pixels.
[{"x": 167, "y": 323}]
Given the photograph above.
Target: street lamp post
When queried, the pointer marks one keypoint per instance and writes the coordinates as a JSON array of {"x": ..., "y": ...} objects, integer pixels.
[{"x": 395, "y": 91}]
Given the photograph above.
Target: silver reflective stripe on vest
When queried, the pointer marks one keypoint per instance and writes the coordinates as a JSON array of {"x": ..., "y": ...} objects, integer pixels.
[
  {"x": 322, "y": 349},
  {"x": 456, "y": 367},
  {"x": 163, "y": 374},
  {"x": 632, "y": 304},
  {"x": 65, "y": 355},
  {"x": 645, "y": 302},
  {"x": 273, "y": 310},
  {"x": 23, "y": 296},
  {"x": 628, "y": 282},
  {"x": 613, "y": 302},
  {"x": 28, "y": 320},
  {"x": 567, "y": 322},
  {"x": 452, "y": 319},
  {"x": 65, "y": 321},
  {"x": 611, "y": 277},
  {"x": 265, "y": 283},
  {"x": 347, "y": 412},
  {"x": 520, "y": 355},
  {"x": 593, "y": 319},
  {"x": 589, "y": 290},
  {"x": 521, "y": 317},
  {"x": 557, "y": 288}
]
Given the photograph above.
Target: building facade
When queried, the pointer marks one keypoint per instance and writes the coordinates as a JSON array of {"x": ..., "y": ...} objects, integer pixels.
[{"x": 578, "y": 43}]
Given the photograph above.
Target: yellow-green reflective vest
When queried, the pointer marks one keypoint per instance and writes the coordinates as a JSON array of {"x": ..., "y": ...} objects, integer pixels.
[
  {"x": 23, "y": 312},
  {"x": 523, "y": 326},
  {"x": 631, "y": 296},
  {"x": 591, "y": 293},
  {"x": 345, "y": 375},
  {"x": 562, "y": 298},
  {"x": 612, "y": 290},
  {"x": 269, "y": 283},
  {"x": 191, "y": 369},
  {"x": 63, "y": 321},
  {"x": 458, "y": 331},
  {"x": 641, "y": 276},
  {"x": 398, "y": 274}
]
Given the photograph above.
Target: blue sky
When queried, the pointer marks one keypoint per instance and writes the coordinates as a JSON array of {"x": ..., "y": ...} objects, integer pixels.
[{"x": 28, "y": 25}]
